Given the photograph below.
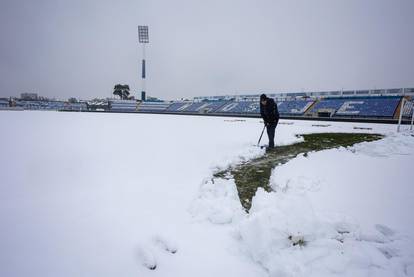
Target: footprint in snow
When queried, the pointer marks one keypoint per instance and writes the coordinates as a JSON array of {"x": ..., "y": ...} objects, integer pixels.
[
  {"x": 386, "y": 231},
  {"x": 147, "y": 258},
  {"x": 388, "y": 252},
  {"x": 146, "y": 253},
  {"x": 165, "y": 244}
]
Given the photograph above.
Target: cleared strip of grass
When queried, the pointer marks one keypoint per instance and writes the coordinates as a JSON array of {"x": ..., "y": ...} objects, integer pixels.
[{"x": 256, "y": 173}]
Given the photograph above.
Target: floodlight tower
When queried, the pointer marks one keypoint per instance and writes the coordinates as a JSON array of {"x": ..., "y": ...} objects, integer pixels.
[{"x": 143, "y": 39}]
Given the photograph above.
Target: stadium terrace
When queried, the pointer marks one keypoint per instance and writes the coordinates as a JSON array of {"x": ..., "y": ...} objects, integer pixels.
[{"x": 378, "y": 105}]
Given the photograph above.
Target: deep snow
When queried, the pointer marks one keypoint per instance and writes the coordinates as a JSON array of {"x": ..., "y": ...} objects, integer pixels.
[{"x": 86, "y": 194}]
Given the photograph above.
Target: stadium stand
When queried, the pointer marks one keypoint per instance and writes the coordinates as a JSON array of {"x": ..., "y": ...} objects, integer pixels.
[
  {"x": 55, "y": 105},
  {"x": 30, "y": 105},
  {"x": 4, "y": 103},
  {"x": 78, "y": 106},
  {"x": 294, "y": 107},
  {"x": 288, "y": 107},
  {"x": 178, "y": 106},
  {"x": 326, "y": 107},
  {"x": 409, "y": 91},
  {"x": 349, "y": 105},
  {"x": 98, "y": 105},
  {"x": 240, "y": 107},
  {"x": 204, "y": 107},
  {"x": 123, "y": 105},
  {"x": 380, "y": 107},
  {"x": 41, "y": 105},
  {"x": 153, "y": 106},
  {"x": 395, "y": 91}
]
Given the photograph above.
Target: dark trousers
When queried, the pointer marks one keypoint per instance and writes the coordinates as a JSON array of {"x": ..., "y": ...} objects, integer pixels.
[{"x": 271, "y": 127}]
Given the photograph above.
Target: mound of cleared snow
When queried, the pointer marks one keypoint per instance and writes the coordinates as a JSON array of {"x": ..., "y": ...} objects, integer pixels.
[{"x": 287, "y": 236}]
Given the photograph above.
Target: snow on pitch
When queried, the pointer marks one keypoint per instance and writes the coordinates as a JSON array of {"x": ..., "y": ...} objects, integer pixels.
[{"x": 121, "y": 194}]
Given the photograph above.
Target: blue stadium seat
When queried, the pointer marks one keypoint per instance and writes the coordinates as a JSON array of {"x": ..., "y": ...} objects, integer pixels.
[
  {"x": 4, "y": 103},
  {"x": 54, "y": 105},
  {"x": 153, "y": 106},
  {"x": 204, "y": 106},
  {"x": 41, "y": 105},
  {"x": 123, "y": 105},
  {"x": 334, "y": 104},
  {"x": 294, "y": 107},
  {"x": 291, "y": 107},
  {"x": 383, "y": 107},
  {"x": 178, "y": 106},
  {"x": 79, "y": 106},
  {"x": 240, "y": 107}
]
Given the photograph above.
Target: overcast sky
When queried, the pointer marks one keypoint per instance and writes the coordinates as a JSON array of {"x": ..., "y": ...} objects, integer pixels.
[{"x": 82, "y": 48}]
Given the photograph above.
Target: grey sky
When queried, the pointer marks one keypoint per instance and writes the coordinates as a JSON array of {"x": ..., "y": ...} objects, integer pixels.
[{"x": 82, "y": 48}]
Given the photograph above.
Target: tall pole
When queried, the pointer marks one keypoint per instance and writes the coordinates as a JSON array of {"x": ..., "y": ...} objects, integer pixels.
[
  {"x": 412, "y": 115},
  {"x": 143, "y": 39},
  {"x": 143, "y": 73},
  {"x": 401, "y": 112}
]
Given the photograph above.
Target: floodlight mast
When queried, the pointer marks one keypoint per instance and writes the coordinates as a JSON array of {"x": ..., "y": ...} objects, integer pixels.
[{"x": 143, "y": 39}]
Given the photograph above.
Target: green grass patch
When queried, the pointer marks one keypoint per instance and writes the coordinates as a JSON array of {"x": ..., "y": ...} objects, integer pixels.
[{"x": 255, "y": 173}]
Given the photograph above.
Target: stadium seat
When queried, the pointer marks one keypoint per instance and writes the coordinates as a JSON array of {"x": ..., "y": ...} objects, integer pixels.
[
  {"x": 123, "y": 105},
  {"x": 294, "y": 107},
  {"x": 4, "y": 103},
  {"x": 204, "y": 106},
  {"x": 381, "y": 107},
  {"x": 153, "y": 106},
  {"x": 178, "y": 106},
  {"x": 240, "y": 107}
]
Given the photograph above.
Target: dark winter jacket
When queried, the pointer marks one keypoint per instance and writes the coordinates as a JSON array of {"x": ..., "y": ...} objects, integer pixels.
[{"x": 270, "y": 113}]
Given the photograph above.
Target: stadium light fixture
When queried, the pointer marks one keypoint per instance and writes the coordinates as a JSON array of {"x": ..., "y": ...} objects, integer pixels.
[{"x": 143, "y": 34}]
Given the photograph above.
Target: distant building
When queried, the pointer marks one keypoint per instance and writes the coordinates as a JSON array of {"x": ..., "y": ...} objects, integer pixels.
[{"x": 29, "y": 96}]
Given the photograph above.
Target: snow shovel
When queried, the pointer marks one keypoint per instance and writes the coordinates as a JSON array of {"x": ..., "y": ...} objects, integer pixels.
[{"x": 261, "y": 135}]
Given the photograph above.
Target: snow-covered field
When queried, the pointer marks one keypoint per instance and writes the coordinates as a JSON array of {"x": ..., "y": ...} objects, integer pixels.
[{"x": 84, "y": 194}]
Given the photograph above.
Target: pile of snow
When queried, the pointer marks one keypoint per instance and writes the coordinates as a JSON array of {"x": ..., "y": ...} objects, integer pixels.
[
  {"x": 286, "y": 236},
  {"x": 297, "y": 230},
  {"x": 217, "y": 202}
]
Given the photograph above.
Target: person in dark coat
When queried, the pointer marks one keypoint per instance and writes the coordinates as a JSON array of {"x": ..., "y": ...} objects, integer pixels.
[{"x": 270, "y": 115}]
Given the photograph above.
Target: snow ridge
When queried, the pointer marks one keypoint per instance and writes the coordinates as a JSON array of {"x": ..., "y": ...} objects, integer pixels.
[{"x": 287, "y": 237}]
